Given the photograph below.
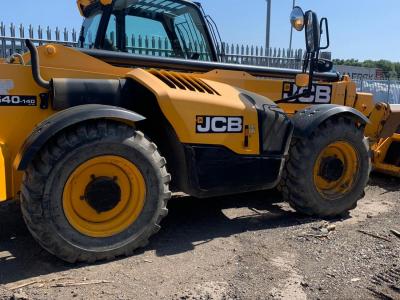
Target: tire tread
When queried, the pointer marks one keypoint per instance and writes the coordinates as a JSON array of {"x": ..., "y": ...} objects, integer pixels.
[{"x": 34, "y": 183}]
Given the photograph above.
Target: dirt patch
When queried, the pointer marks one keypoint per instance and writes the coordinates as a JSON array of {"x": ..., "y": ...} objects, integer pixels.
[
  {"x": 5, "y": 294},
  {"x": 290, "y": 287},
  {"x": 387, "y": 284},
  {"x": 379, "y": 200},
  {"x": 249, "y": 246}
]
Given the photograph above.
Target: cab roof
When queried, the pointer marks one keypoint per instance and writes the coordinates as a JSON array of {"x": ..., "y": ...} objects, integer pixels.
[{"x": 83, "y": 4}]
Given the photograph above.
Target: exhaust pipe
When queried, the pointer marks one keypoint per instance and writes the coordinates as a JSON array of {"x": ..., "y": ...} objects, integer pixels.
[{"x": 36, "y": 66}]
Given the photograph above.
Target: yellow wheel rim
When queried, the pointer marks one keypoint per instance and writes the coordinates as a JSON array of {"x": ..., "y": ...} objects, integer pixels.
[
  {"x": 113, "y": 177},
  {"x": 336, "y": 170}
]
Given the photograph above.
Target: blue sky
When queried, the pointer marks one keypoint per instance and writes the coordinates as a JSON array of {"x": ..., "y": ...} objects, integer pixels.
[{"x": 361, "y": 29}]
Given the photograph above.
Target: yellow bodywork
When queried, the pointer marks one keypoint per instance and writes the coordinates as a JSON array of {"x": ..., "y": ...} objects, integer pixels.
[
  {"x": 5, "y": 172},
  {"x": 82, "y": 4},
  {"x": 380, "y": 152},
  {"x": 343, "y": 93},
  {"x": 181, "y": 107}
]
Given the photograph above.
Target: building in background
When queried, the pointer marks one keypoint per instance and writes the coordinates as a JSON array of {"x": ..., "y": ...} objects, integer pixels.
[{"x": 359, "y": 73}]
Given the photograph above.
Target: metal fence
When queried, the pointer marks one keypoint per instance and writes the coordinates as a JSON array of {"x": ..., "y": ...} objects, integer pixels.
[
  {"x": 383, "y": 90},
  {"x": 12, "y": 41},
  {"x": 259, "y": 56},
  {"x": 12, "y": 38}
]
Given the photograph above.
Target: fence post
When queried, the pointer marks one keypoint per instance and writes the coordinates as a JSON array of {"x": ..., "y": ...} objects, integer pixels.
[
  {"x": 40, "y": 35},
  {"x": 12, "y": 30},
  {"x": 160, "y": 46},
  {"x": 166, "y": 46},
  {"x": 388, "y": 96},
  {"x": 66, "y": 35},
  {"x": 3, "y": 41},
  {"x": 153, "y": 45},
  {"x": 57, "y": 34},
  {"x": 74, "y": 35}
]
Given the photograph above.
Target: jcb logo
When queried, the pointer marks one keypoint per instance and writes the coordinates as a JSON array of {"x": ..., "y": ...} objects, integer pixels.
[
  {"x": 320, "y": 93},
  {"x": 212, "y": 124}
]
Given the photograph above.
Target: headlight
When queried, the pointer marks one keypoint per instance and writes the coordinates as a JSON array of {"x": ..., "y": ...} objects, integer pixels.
[{"x": 297, "y": 18}]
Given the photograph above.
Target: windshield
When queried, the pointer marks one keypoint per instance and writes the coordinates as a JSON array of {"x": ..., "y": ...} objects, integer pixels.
[{"x": 151, "y": 27}]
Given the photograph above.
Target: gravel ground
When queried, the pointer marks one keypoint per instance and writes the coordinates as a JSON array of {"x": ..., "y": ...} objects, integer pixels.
[{"x": 248, "y": 246}]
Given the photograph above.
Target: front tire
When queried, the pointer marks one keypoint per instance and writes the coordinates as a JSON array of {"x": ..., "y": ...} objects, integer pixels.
[
  {"x": 327, "y": 172},
  {"x": 96, "y": 191}
]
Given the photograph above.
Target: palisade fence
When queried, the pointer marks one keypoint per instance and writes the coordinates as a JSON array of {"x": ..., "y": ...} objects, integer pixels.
[
  {"x": 383, "y": 90},
  {"x": 12, "y": 41},
  {"x": 259, "y": 56}
]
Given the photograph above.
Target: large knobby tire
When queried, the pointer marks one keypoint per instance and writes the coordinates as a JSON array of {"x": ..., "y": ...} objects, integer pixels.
[
  {"x": 96, "y": 191},
  {"x": 327, "y": 172}
]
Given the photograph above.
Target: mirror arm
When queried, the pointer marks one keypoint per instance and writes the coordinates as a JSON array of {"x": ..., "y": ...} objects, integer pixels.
[{"x": 312, "y": 67}]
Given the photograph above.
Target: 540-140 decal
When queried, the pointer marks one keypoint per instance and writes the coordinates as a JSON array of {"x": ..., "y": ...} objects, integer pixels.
[{"x": 10, "y": 100}]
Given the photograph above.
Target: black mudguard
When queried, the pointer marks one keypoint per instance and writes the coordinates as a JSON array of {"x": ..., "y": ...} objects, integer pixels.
[
  {"x": 64, "y": 119},
  {"x": 307, "y": 120}
]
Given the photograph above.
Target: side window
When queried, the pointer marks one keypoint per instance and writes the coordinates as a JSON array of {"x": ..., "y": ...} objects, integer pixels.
[
  {"x": 191, "y": 34},
  {"x": 147, "y": 37},
  {"x": 89, "y": 31},
  {"x": 110, "y": 39}
]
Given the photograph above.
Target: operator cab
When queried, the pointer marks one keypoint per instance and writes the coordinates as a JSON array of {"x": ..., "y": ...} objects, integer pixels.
[{"x": 174, "y": 29}]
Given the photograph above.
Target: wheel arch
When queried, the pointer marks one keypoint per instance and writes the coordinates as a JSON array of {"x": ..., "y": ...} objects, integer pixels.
[
  {"x": 157, "y": 127},
  {"x": 308, "y": 119},
  {"x": 67, "y": 118}
]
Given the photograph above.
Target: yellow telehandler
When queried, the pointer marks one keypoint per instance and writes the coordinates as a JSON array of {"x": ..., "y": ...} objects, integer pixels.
[{"x": 94, "y": 139}]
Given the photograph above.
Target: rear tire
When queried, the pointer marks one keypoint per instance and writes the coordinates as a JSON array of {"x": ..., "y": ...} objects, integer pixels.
[
  {"x": 326, "y": 173},
  {"x": 50, "y": 206}
]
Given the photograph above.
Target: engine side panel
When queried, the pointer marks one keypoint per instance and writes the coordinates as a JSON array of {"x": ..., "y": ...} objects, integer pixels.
[{"x": 217, "y": 118}]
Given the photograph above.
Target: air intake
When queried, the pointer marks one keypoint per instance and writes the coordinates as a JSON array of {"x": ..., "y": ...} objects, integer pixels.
[{"x": 184, "y": 82}]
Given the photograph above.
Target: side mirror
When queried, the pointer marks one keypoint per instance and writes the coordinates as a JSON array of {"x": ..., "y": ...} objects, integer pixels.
[
  {"x": 325, "y": 26},
  {"x": 313, "y": 31}
]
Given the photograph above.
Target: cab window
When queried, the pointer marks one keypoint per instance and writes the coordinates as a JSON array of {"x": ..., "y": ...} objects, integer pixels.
[
  {"x": 143, "y": 35},
  {"x": 89, "y": 31},
  {"x": 110, "y": 39},
  {"x": 191, "y": 38},
  {"x": 157, "y": 28}
]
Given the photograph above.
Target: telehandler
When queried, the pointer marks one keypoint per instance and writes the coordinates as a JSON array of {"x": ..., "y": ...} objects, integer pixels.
[{"x": 93, "y": 140}]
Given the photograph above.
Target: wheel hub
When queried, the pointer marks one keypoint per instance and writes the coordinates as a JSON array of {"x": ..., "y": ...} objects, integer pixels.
[
  {"x": 336, "y": 170},
  {"x": 103, "y": 194},
  {"x": 332, "y": 169}
]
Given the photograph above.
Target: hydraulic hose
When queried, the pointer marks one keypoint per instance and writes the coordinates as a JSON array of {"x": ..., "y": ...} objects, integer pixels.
[{"x": 36, "y": 65}]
